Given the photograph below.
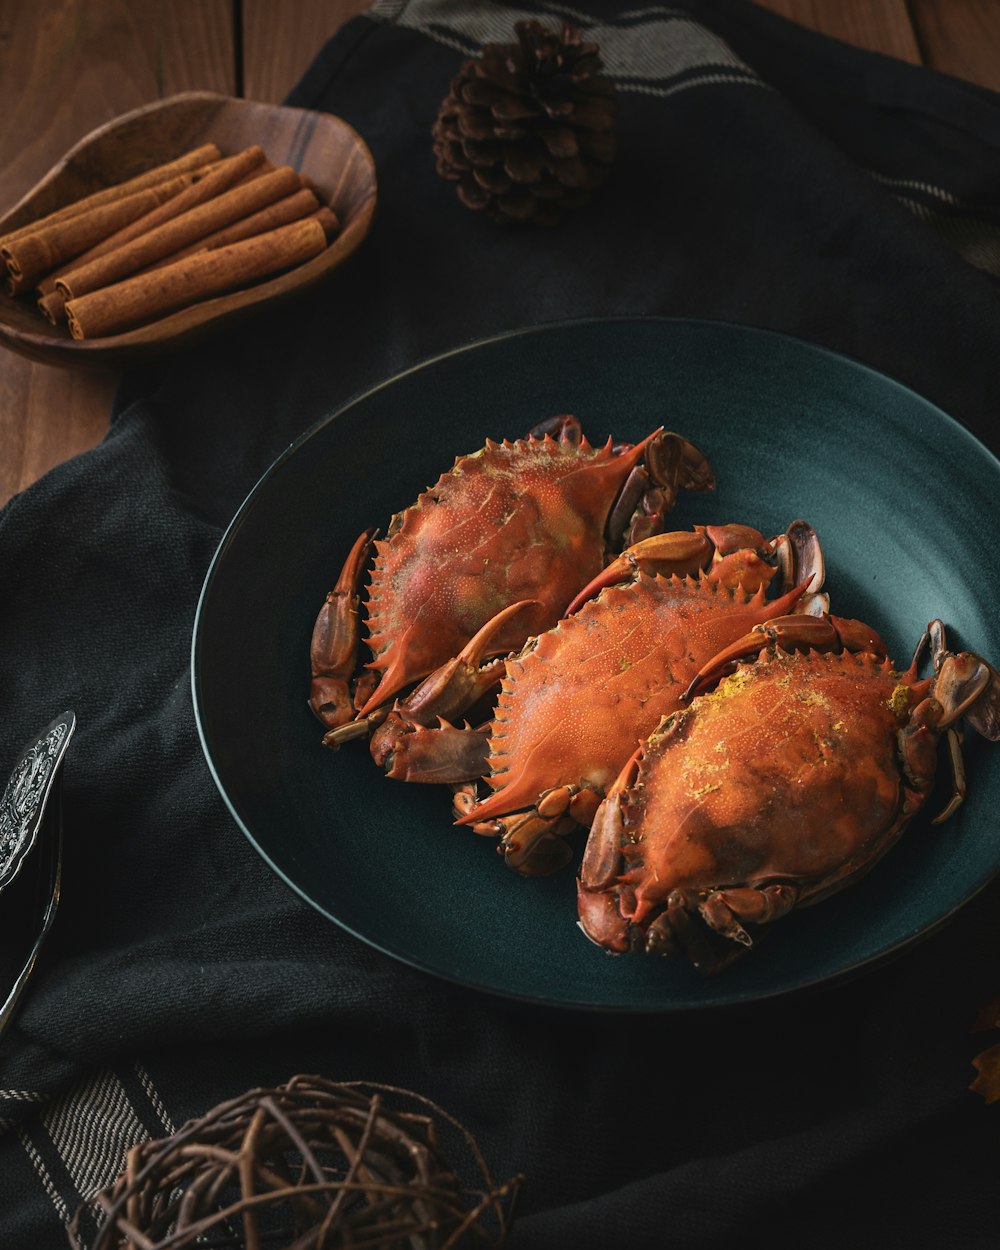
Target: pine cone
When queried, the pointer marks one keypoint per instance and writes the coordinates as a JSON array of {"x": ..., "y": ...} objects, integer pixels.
[{"x": 526, "y": 129}]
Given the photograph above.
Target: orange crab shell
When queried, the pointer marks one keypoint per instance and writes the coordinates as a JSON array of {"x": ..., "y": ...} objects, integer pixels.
[
  {"x": 514, "y": 520},
  {"x": 577, "y": 701},
  {"x": 787, "y": 772}
]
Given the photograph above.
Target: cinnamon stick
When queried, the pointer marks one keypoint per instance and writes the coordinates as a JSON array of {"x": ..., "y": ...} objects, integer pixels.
[
  {"x": 211, "y": 180},
  {"x": 33, "y": 253},
  {"x": 164, "y": 240},
  {"x": 145, "y": 297},
  {"x": 291, "y": 208},
  {"x": 301, "y": 203},
  {"x": 194, "y": 159},
  {"x": 53, "y": 307}
]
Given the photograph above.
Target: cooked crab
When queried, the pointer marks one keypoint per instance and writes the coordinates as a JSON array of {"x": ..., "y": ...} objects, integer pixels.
[
  {"x": 534, "y": 519},
  {"x": 779, "y": 787}
]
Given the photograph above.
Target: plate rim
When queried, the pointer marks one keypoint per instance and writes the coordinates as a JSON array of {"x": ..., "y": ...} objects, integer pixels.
[{"x": 723, "y": 1002}]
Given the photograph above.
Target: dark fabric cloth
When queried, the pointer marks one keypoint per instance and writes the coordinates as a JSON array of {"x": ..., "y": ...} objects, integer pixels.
[{"x": 765, "y": 176}]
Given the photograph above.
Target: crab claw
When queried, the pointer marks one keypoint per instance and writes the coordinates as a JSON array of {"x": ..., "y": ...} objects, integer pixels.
[
  {"x": 676, "y": 464},
  {"x": 455, "y": 686},
  {"x": 964, "y": 682},
  {"x": 967, "y": 686},
  {"x": 669, "y": 464},
  {"x": 601, "y": 921},
  {"x": 416, "y": 753},
  {"x": 984, "y": 714},
  {"x": 597, "y": 902},
  {"x": 681, "y": 552},
  {"x": 800, "y": 557},
  {"x": 334, "y": 647},
  {"x": 602, "y": 857},
  {"x": 790, "y": 633},
  {"x": 417, "y": 742}
]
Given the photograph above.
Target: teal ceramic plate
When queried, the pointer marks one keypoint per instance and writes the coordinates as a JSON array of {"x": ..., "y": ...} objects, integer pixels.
[{"x": 896, "y": 489}]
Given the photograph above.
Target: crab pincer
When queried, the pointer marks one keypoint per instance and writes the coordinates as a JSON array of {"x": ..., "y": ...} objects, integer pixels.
[
  {"x": 334, "y": 644},
  {"x": 417, "y": 742}
]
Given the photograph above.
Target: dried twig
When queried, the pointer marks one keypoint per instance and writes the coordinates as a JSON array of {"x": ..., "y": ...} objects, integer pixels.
[{"x": 311, "y": 1165}]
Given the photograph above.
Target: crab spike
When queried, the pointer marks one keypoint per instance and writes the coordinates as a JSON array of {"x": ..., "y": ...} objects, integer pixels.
[
  {"x": 790, "y": 633},
  {"x": 789, "y": 604},
  {"x": 454, "y": 685},
  {"x": 565, "y": 429}
]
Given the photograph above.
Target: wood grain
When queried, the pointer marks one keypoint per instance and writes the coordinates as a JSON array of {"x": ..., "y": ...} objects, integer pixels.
[
  {"x": 46, "y": 416},
  {"x": 70, "y": 66},
  {"x": 67, "y": 66},
  {"x": 280, "y": 41},
  {"x": 960, "y": 37},
  {"x": 876, "y": 25}
]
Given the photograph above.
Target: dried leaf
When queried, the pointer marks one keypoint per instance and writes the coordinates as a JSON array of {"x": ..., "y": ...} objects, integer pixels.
[
  {"x": 987, "y": 1083},
  {"x": 989, "y": 1017}
]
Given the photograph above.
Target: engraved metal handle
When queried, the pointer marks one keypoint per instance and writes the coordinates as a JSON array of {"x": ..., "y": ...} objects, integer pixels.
[{"x": 30, "y": 817}]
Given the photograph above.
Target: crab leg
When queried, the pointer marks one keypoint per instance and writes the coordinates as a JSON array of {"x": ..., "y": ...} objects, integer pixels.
[
  {"x": 531, "y": 842},
  {"x": 790, "y": 633},
  {"x": 680, "y": 927},
  {"x": 723, "y": 910},
  {"x": 334, "y": 648},
  {"x": 416, "y": 742},
  {"x": 953, "y": 736}
]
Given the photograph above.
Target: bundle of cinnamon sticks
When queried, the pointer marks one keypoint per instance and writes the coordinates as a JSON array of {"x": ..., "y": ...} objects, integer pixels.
[{"x": 182, "y": 232}]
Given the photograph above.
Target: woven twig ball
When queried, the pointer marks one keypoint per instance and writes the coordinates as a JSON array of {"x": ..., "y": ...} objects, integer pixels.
[
  {"x": 526, "y": 129},
  {"x": 311, "y": 1165}
]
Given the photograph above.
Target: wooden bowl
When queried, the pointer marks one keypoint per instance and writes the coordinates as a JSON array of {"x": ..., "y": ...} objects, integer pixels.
[{"x": 323, "y": 147}]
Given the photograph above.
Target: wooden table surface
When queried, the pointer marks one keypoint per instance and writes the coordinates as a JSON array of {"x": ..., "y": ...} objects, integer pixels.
[{"x": 67, "y": 66}]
